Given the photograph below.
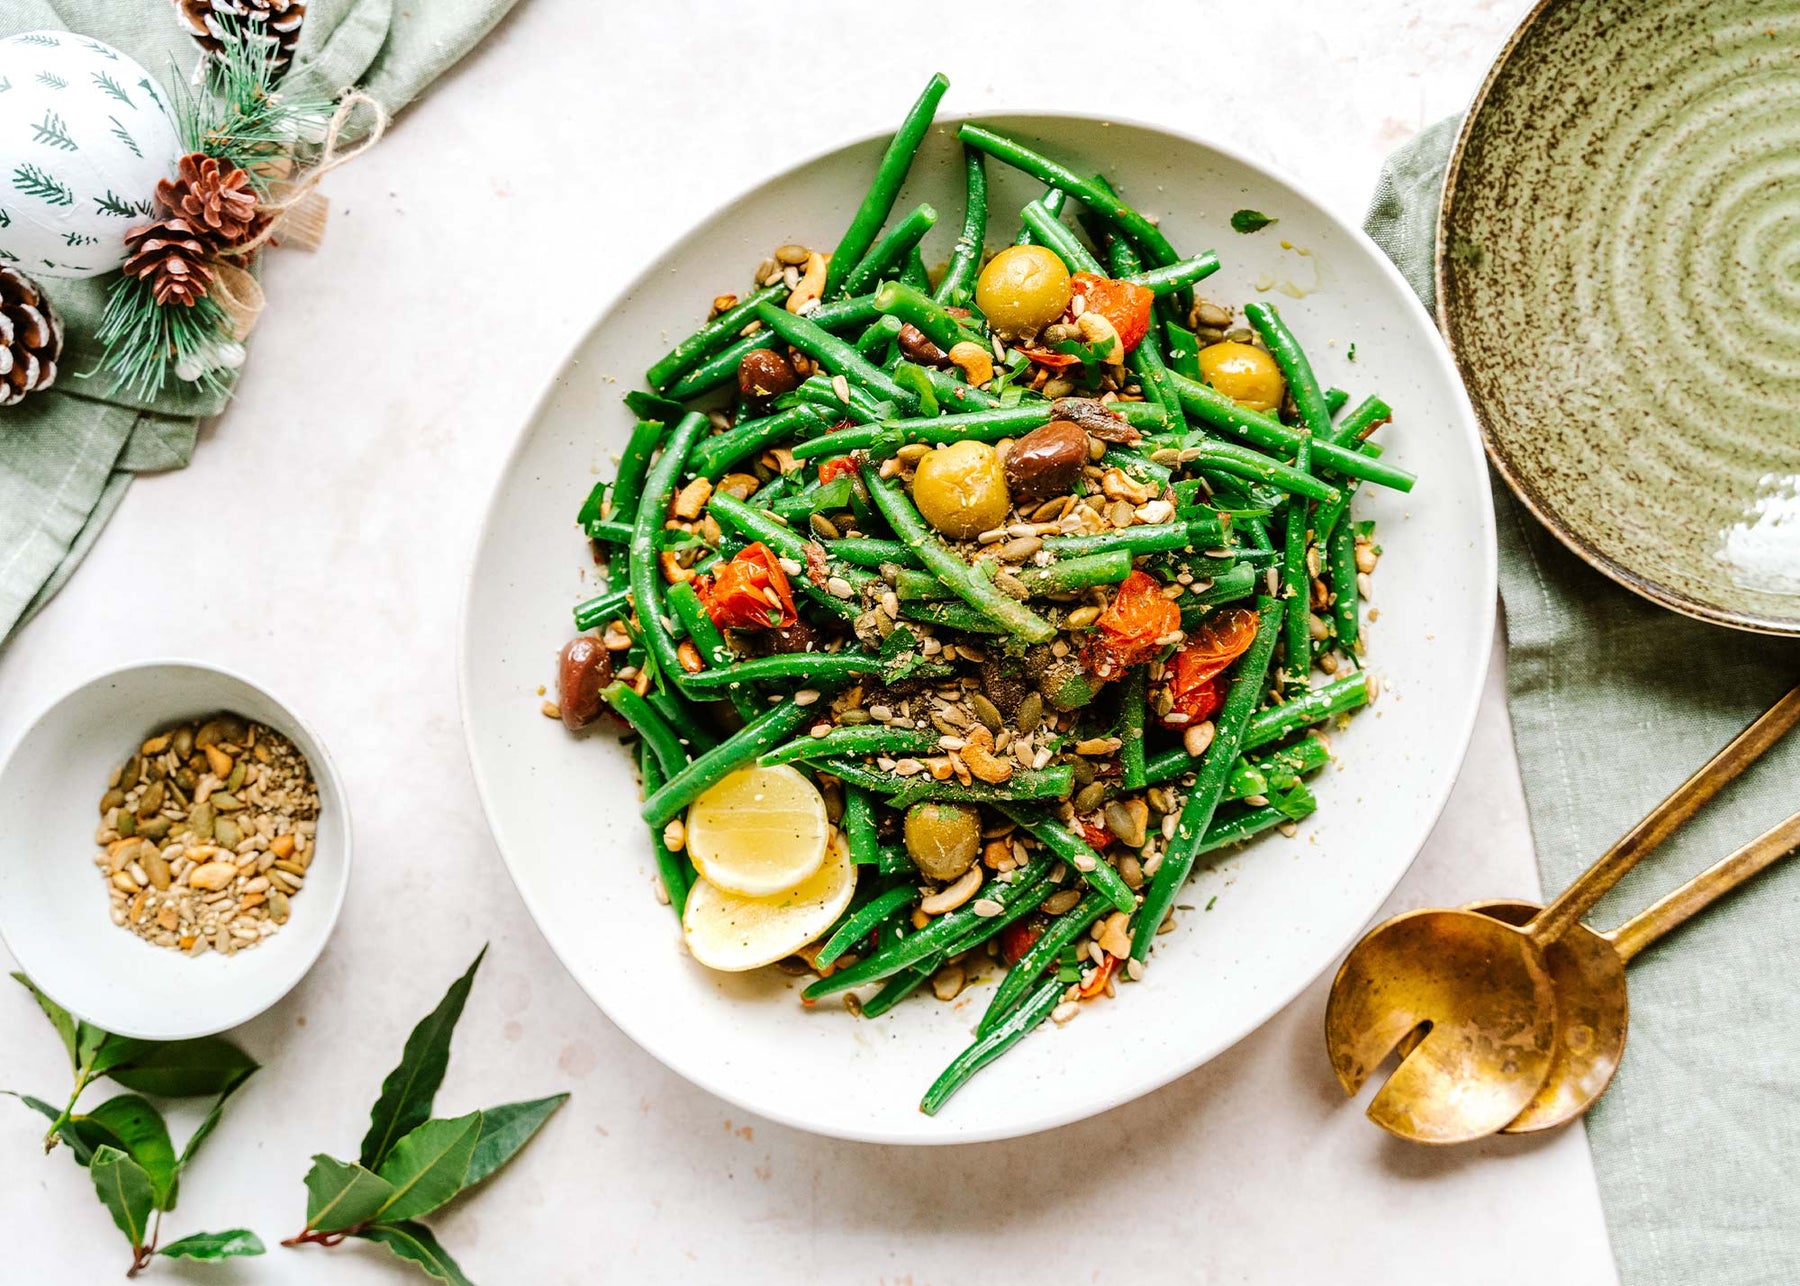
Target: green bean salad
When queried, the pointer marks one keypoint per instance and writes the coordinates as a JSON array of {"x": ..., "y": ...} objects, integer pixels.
[{"x": 961, "y": 611}]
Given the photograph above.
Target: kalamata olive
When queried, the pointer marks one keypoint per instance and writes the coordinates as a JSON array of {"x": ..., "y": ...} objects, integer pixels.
[
  {"x": 765, "y": 373},
  {"x": 943, "y": 839},
  {"x": 1022, "y": 290},
  {"x": 1046, "y": 461},
  {"x": 1097, "y": 418},
  {"x": 961, "y": 490},
  {"x": 585, "y": 671},
  {"x": 918, "y": 347},
  {"x": 1244, "y": 373}
]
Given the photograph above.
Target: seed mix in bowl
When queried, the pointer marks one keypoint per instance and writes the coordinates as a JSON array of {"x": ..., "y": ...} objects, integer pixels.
[{"x": 206, "y": 833}]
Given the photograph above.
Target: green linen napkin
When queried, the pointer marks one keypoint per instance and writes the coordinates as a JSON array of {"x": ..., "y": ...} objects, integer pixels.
[
  {"x": 1614, "y": 701},
  {"x": 67, "y": 455}
]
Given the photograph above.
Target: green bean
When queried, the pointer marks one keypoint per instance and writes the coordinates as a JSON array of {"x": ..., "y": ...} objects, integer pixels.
[
  {"x": 1061, "y": 931},
  {"x": 1067, "y": 575},
  {"x": 1203, "y": 800},
  {"x": 887, "y": 255},
  {"x": 854, "y": 773},
  {"x": 914, "y": 272},
  {"x": 1014, "y": 1028},
  {"x": 869, "y": 739},
  {"x": 1340, "y": 562},
  {"x": 859, "y": 825},
  {"x": 820, "y": 392},
  {"x": 1155, "y": 245},
  {"x": 710, "y": 643},
  {"x": 896, "y": 299},
  {"x": 673, "y": 868},
  {"x": 829, "y": 497},
  {"x": 952, "y": 615},
  {"x": 1369, "y": 414},
  {"x": 1296, "y": 582},
  {"x": 1149, "y": 538},
  {"x": 756, "y": 525},
  {"x": 680, "y": 716},
  {"x": 1052, "y": 201},
  {"x": 1146, "y": 360},
  {"x": 1242, "y": 462},
  {"x": 834, "y": 355},
  {"x": 714, "y": 456},
  {"x": 1066, "y": 844},
  {"x": 858, "y": 926},
  {"x": 1227, "y": 587},
  {"x": 937, "y": 935},
  {"x": 957, "y": 575},
  {"x": 900, "y": 986},
  {"x": 721, "y": 367},
  {"x": 609, "y": 532},
  {"x": 634, "y": 467},
  {"x": 683, "y": 788},
  {"x": 1131, "y": 727},
  {"x": 1302, "y": 383},
  {"x": 892, "y": 859},
  {"x": 649, "y": 725},
  {"x": 1208, "y": 405},
  {"x": 958, "y": 284},
  {"x": 878, "y": 202},
  {"x": 881, "y": 441},
  {"x": 812, "y": 667},
  {"x": 602, "y": 608},
  {"x": 1304, "y": 756},
  {"x": 1184, "y": 272},
  {"x": 912, "y": 586},
  {"x": 709, "y": 337},
  {"x": 955, "y": 397},
  {"x": 1335, "y": 398},
  {"x": 863, "y": 551},
  {"x": 1312, "y": 706},
  {"x": 646, "y": 570},
  {"x": 1054, "y": 782},
  {"x": 1278, "y": 770},
  {"x": 882, "y": 332},
  {"x": 1057, "y": 237}
]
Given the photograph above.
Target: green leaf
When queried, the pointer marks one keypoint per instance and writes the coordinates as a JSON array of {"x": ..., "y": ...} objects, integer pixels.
[
  {"x": 60, "y": 1018},
  {"x": 408, "y": 1091},
  {"x": 211, "y": 1121},
  {"x": 342, "y": 1194},
  {"x": 215, "y": 1245},
  {"x": 506, "y": 1129},
  {"x": 124, "y": 1189},
  {"x": 429, "y": 1166},
  {"x": 130, "y": 1125},
  {"x": 1247, "y": 221},
  {"x": 414, "y": 1242},
  {"x": 187, "y": 1068},
  {"x": 101, "y": 1052}
]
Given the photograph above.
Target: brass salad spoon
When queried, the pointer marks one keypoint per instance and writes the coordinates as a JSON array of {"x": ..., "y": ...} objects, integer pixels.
[{"x": 1482, "y": 989}]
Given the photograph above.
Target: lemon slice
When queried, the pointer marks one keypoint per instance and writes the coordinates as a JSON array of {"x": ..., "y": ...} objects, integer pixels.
[
  {"x": 733, "y": 933},
  {"x": 759, "y": 831}
]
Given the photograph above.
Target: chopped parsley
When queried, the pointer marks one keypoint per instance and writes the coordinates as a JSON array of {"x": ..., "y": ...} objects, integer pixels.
[{"x": 1248, "y": 221}]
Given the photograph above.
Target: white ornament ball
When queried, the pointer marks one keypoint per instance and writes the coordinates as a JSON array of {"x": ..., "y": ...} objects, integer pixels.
[{"x": 85, "y": 134}]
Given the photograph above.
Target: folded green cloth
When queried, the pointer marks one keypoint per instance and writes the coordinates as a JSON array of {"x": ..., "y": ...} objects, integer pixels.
[
  {"x": 67, "y": 455},
  {"x": 1614, "y": 701}
]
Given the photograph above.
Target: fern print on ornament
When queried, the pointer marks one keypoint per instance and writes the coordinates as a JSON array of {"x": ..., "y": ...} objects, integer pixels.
[{"x": 85, "y": 133}]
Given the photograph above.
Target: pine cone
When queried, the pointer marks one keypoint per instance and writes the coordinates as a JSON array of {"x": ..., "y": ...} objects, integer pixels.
[
  {"x": 31, "y": 337},
  {"x": 172, "y": 254},
  {"x": 275, "y": 23},
  {"x": 216, "y": 199}
]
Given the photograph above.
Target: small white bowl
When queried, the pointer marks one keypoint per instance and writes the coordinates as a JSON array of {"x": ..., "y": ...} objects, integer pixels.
[{"x": 54, "y": 909}]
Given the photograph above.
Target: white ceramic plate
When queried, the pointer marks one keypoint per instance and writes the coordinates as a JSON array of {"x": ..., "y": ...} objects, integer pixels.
[{"x": 564, "y": 809}]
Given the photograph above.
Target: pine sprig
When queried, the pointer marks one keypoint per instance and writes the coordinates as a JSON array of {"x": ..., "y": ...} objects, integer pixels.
[
  {"x": 145, "y": 341},
  {"x": 114, "y": 204},
  {"x": 107, "y": 85},
  {"x": 237, "y": 117},
  {"x": 51, "y": 80},
  {"x": 124, "y": 136}
]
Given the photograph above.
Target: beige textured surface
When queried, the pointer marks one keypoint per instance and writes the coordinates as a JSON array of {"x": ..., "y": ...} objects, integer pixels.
[{"x": 349, "y": 479}]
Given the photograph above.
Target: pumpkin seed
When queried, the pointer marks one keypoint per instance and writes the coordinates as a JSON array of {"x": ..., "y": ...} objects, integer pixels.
[
  {"x": 226, "y": 833},
  {"x": 182, "y": 741},
  {"x": 1090, "y": 797},
  {"x": 125, "y": 824},
  {"x": 111, "y": 800},
  {"x": 201, "y": 820},
  {"x": 134, "y": 771},
  {"x": 226, "y": 802},
  {"x": 151, "y": 800},
  {"x": 1031, "y": 713},
  {"x": 156, "y": 828},
  {"x": 987, "y": 712},
  {"x": 236, "y": 778}
]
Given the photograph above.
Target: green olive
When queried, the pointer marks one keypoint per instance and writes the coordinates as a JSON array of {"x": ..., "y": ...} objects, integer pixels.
[
  {"x": 1244, "y": 373},
  {"x": 943, "y": 838},
  {"x": 961, "y": 490},
  {"x": 1022, "y": 290}
]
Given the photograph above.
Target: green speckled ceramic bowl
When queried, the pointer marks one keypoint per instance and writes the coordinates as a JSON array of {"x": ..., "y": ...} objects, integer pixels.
[{"x": 1619, "y": 277}]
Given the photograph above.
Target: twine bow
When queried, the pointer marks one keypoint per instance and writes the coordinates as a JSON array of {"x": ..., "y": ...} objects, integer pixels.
[{"x": 297, "y": 215}]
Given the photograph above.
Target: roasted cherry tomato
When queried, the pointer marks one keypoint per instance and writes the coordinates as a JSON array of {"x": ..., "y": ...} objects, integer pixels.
[
  {"x": 836, "y": 466},
  {"x": 1123, "y": 303},
  {"x": 1096, "y": 834},
  {"x": 1218, "y": 641},
  {"x": 750, "y": 592},
  {"x": 1016, "y": 939},
  {"x": 1126, "y": 633}
]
